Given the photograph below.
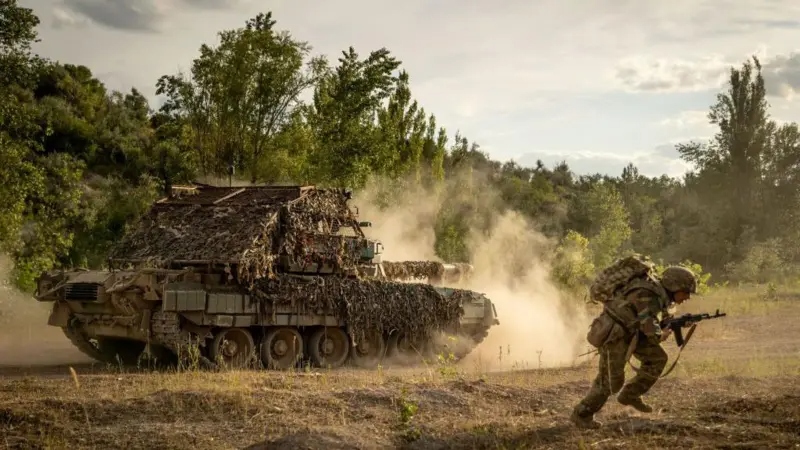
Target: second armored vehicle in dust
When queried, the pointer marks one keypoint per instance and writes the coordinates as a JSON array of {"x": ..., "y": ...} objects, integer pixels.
[{"x": 269, "y": 275}]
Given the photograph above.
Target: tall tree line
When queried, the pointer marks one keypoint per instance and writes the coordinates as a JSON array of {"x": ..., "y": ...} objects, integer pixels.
[{"x": 79, "y": 163}]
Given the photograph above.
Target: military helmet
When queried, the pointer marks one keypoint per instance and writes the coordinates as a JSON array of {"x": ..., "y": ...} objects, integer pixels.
[{"x": 677, "y": 278}]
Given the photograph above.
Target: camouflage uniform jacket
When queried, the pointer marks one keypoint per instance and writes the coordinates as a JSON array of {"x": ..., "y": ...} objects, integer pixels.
[{"x": 641, "y": 305}]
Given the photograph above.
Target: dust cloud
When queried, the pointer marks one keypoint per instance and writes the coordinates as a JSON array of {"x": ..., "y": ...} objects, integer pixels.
[
  {"x": 406, "y": 230},
  {"x": 25, "y": 337},
  {"x": 540, "y": 326}
]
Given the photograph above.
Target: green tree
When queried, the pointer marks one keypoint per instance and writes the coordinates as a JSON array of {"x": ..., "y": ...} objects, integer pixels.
[
  {"x": 572, "y": 262},
  {"x": 343, "y": 117},
  {"x": 241, "y": 93},
  {"x": 730, "y": 167},
  {"x": 607, "y": 222}
]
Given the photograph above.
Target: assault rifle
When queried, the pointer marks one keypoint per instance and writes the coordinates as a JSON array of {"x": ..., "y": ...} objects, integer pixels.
[{"x": 676, "y": 324}]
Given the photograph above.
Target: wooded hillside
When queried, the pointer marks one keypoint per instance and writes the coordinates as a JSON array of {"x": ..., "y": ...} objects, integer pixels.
[{"x": 79, "y": 163}]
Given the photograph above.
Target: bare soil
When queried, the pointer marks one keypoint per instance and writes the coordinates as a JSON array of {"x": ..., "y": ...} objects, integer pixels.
[{"x": 737, "y": 385}]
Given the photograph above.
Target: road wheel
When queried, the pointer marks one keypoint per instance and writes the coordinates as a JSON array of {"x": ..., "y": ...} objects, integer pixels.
[
  {"x": 329, "y": 347},
  {"x": 369, "y": 349},
  {"x": 405, "y": 350},
  {"x": 281, "y": 348},
  {"x": 232, "y": 348}
]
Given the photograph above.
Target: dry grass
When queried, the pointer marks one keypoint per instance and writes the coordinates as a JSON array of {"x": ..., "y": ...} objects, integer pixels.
[{"x": 737, "y": 385}]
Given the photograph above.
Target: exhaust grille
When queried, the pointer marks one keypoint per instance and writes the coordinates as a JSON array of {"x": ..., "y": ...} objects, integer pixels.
[{"x": 82, "y": 292}]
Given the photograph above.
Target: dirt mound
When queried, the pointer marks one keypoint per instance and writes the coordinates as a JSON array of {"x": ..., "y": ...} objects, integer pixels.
[{"x": 780, "y": 413}]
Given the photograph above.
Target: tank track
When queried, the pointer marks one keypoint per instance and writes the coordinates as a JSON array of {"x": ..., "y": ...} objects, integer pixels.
[
  {"x": 107, "y": 350},
  {"x": 166, "y": 331},
  {"x": 81, "y": 342}
]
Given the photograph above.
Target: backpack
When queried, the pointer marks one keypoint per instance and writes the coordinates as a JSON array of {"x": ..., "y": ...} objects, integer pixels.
[{"x": 619, "y": 274}]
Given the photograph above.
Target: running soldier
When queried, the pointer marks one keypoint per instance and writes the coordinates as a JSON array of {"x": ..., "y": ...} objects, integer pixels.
[{"x": 629, "y": 325}]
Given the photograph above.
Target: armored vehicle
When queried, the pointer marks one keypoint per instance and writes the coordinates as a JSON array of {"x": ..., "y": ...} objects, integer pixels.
[{"x": 274, "y": 276}]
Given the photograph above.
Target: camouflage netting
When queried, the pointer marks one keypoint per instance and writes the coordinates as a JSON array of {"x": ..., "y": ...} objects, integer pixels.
[
  {"x": 310, "y": 237},
  {"x": 420, "y": 270},
  {"x": 242, "y": 226},
  {"x": 415, "y": 309}
]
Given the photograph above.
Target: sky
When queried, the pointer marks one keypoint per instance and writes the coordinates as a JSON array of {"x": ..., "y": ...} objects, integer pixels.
[{"x": 598, "y": 84}]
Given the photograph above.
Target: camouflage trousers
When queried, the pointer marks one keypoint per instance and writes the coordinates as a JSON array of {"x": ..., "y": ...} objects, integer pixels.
[{"x": 611, "y": 373}]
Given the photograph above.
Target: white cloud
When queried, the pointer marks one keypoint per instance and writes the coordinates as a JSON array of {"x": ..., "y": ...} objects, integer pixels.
[
  {"x": 130, "y": 15},
  {"x": 688, "y": 123},
  {"x": 687, "y": 119},
  {"x": 64, "y": 18},
  {"x": 782, "y": 75},
  {"x": 127, "y": 15},
  {"x": 641, "y": 74}
]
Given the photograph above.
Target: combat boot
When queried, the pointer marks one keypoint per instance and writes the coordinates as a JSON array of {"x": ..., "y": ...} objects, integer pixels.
[
  {"x": 635, "y": 402},
  {"x": 584, "y": 421}
]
